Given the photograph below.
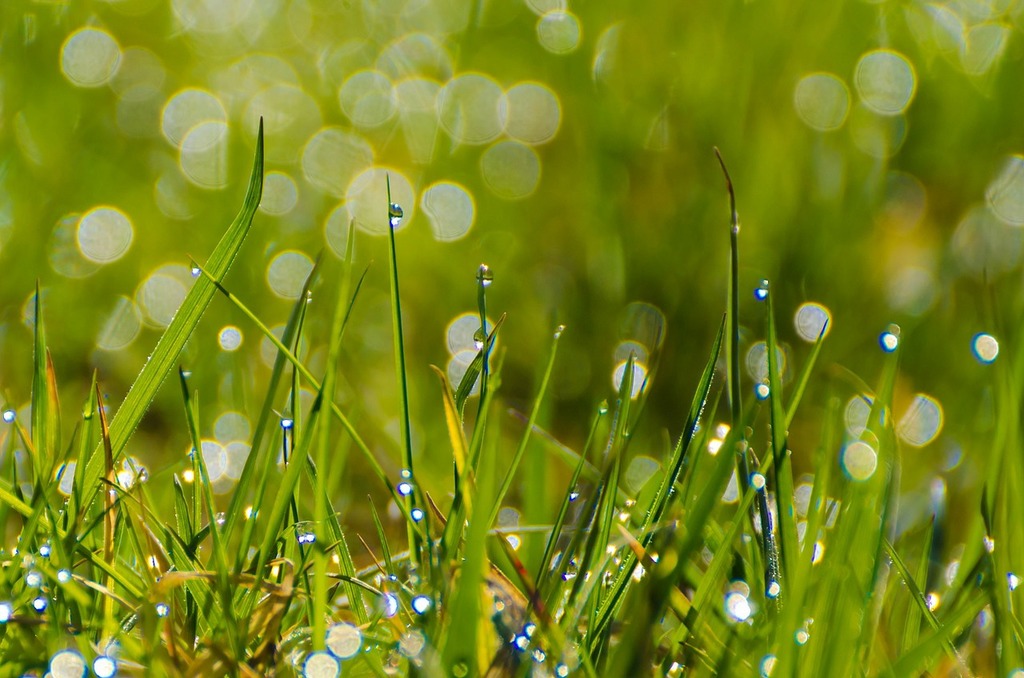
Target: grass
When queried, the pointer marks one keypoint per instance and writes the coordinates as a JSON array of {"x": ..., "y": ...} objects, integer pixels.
[{"x": 661, "y": 579}]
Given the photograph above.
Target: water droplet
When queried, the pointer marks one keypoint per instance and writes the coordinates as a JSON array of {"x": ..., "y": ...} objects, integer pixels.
[
  {"x": 221, "y": 518},
  {"x": 574, "y": 495},
  {"x": 305, "y": 537},
  {"x": 405, "y": 473},
  {"x": 421, "y": 604},
  {"x": 984, "y": 347},
  {"x": 1012, "y": 580},
  {"x": 195, "y": 271},
  {"x": 9, "y": 416},
  {"x": 761, "y": 291},
  {"x": 390, "y": 605},
  {"x": 460, "y": 669},
  {"x": 757, "y": 481},
  {"x": 479, "y": 338},
  {"x": 559, "y": 330},
  {"x": 416, "y": 514},
  {"x": 287, "y": 423},
  {"x": 801, "y": 637},
  {"x": 395, "y": 214},
  {"x": 774, "y": 589},
  {"x": 34, "y": 579},
  {"x": 104, "y": 666},
  {"x": 602, "y": 409},
  {"x": 762, "y": 391},
  {"x": 990, "y": 543},
  {"x": 768, "y": 665},
  {"x": 63, "y": 576},
  {"x": 484, "y": 275},
  {"x": 39, "y": 603},
  {"x": 404, "y": 488},
  {"x": 562, "y": 671},
  {"x": 162, "y": 609},
  {"x": 44, "y": 550},
  {"x": 344, "y": 640},
  {"x": 890, "y": 339},
  {"x": 521, "y": 642},
  {"x": 932, "y": 600}
]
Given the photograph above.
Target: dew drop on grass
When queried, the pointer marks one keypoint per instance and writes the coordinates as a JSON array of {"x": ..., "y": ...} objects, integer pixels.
[
  {"x": 859, "y": 460},
  {"x": 344, "y": 640},
  {"x": 989, "y": 543},
  {"x": 44, "y": 550},
  {"x": 757, "y": 481},
  {"x": 774, "y": 589},
  {"x": 890, "y": 339},
  {"x": 768, "y": 665},
  {"x": 404, "y": 488},
  {"x": 761, "y": 291},
  {"x": 68, "y": 664},
  {"x": 63, "y": 576},
  {"x": 484, "y": 275},
  {"x": 395, "y": 214},
  {"x": 416, "y": 514},
  {"x": 1012, "y": 581},
  {"x": 320, "y": 665},
  {"x": 162, "y": 609},
  {"x": 221, "y": 518},
  {"x": 762, "y": 391},
  {"x": 195, "y": 271},
  {"x": 574, "y": 495},
  {"x": 39, "y": 604},
  {"x": 305, "y": 537},
  {"x": 390, "y": 605},
  {"x": 801, "y": 637},
  {"x": 985, "y": 348},
  {"x": 287, "y": 423},
  {"x": 562, "y": 671},
  {"x": 9, "y": 416},
  {"x": 421, "y": 604}
]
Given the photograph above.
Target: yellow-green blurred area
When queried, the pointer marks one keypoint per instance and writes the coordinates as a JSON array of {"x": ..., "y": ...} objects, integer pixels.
[{"x": 873, "y": 146}]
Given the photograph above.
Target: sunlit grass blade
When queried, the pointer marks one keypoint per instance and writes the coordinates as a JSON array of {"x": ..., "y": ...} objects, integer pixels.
[
  {"x": 45, "y": 407},
  {"x": 534, "y": 412},
  {"x": 165, "y": 354},
  {"x": 475, "y": 368}
]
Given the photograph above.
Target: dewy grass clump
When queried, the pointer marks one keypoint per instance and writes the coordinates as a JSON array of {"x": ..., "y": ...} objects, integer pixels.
[{"x": 710, "y": 559}]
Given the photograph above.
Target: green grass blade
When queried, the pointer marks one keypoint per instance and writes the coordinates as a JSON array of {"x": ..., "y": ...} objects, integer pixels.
[{"x": 185, "y": 320}]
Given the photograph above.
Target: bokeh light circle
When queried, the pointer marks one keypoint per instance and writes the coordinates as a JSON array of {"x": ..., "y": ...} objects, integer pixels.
[
  {"x": 559, "y": 31},
  {"x": 922, "y": 422},
  {"x": 367, "y": 199},
  {"x": 822, "y": 101},
  {"x": 89, "y": 57},
  {"x": 471, "y": 108},
  {"x": 639, "y": 374},
  {"x": 336, "y": 227},
  {"x": 204, "y": 155},
  {"x": 417, "y": 114},
  {"x": 229, "y": 338},
  {"x": 450, "y": 208},
  {"x": 186, "y": 109},
  {"x": 811, "y": 319},
  {"x": 287, "y": 273},
  {"x": 161, "y": 293},
  {"x": 68, "y": 664},
  {"x": 1006, "y": 192},
  {"x": 534, "y": 113},
  {"x": 121, "y": 327},
  {"x": 368, "y": 99},
  {"x": 859, "y": 460},
  {"x": 280, "y": 194},
  {"x": 332, "y": 157},
  {"x": 511, "y": 169},
  {"x": 104, "y": 234},
  {"x": 985, "y": 348},
  {"x": 885, "y": 81}
]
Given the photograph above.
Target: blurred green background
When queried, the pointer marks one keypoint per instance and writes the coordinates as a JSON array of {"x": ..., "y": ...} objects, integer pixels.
[{"x": 566, "y": 144}]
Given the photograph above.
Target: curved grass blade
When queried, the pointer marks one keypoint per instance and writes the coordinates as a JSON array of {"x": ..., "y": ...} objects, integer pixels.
[{"x": 185, "y": 320}]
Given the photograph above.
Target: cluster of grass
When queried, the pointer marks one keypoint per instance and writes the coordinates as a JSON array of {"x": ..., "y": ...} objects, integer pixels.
[{"x": 667, "y": 580}]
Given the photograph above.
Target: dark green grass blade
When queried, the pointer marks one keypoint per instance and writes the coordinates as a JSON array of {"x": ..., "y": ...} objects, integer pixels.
[
  {"x": 782, "y": 465},
  {"x": 185, "y": 320},
  {"x": 414, "y": 499}
]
